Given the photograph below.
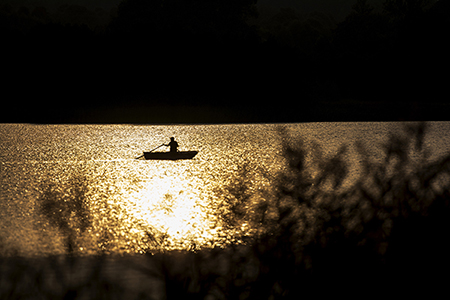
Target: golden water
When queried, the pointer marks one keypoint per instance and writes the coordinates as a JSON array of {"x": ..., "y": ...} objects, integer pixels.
[{"x": 136, "y": 205}]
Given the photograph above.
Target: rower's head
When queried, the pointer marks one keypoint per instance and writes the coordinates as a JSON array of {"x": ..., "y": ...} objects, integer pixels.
[{"x": 172, "y": 139}]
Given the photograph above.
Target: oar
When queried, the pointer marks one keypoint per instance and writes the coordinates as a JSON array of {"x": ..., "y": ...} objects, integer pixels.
[
  {"x": 157, "y": 147},
  {"x": 151, "y": 150}
]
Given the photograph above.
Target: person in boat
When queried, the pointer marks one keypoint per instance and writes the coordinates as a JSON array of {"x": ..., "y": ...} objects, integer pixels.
[{"x": 173, "y": 145}]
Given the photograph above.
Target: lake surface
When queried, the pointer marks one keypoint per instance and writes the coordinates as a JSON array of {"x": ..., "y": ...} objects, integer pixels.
[{"x": 134, "y": 202}]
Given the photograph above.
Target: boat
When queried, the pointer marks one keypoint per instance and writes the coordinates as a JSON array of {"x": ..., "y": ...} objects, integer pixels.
[{"x": 170, "y": 155}]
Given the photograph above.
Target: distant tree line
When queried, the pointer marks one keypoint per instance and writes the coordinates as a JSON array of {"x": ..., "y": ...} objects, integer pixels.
[{"x": 221, "y": 53}]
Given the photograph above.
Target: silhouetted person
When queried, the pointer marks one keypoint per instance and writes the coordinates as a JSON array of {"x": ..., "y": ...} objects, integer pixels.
[{"x": 173, "y": 145}]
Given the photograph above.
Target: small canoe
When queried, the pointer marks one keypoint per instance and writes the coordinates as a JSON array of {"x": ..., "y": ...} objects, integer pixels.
[{"x": 170, "y": 156}]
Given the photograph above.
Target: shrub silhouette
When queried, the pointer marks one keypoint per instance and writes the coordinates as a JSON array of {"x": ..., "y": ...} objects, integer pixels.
[
  {"x": 81, "y": 212},
  {"x": 386, "y": 231},
  {"x": 67, "y": 210}
]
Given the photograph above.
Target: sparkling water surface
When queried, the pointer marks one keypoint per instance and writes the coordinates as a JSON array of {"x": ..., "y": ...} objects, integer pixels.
[{"x": 134, "y": 203}]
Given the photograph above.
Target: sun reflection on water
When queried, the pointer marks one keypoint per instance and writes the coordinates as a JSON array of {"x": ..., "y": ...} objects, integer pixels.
[
  {"x": 142, "y": 206},
  {"x": 174, "y": 207}
]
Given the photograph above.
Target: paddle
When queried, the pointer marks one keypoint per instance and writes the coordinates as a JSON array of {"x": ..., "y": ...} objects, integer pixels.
[
  {"x": 157, "y": 147},
  {"x": 151, "y": 150}
]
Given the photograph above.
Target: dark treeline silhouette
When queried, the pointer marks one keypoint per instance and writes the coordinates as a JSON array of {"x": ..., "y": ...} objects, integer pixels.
[{"x": 80, "y": 64}]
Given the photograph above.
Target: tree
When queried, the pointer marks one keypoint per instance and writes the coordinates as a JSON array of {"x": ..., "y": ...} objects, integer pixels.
[
  {"x": 362, "y": 7},
  {"x": 406, "y": 8},
  {"x": 194, "y": 17}
]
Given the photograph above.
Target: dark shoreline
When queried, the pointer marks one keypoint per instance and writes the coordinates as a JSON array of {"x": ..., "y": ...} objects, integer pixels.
[{"x": 324, "y": 111}]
